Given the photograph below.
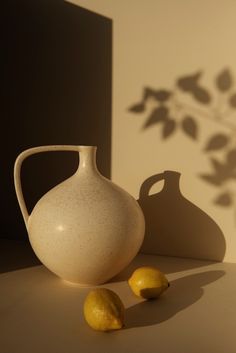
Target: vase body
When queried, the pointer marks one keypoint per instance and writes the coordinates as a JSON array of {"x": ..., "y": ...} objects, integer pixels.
[{"x": 86, "y": 229}]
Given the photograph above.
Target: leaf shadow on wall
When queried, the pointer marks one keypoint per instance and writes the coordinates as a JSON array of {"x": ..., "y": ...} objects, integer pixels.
[
  {"x": 175, "y": 226},
  {"x": 182, "y": 293},
  {"x": 186, "y": 107},
  {"x": 170, "y": 112}
]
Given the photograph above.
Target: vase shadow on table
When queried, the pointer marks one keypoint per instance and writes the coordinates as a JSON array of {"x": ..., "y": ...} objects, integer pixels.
[
  {"x": 175, "y": 226},
  {"x": 182, "y": 293}
]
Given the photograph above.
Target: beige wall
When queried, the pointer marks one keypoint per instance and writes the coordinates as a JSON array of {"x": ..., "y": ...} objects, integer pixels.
[{"x": 156, "y": 42}]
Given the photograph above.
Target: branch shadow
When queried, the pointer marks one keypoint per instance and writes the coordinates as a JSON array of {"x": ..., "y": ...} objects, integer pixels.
[
  {"x": 181, "y": 107},
  {"x": 175, "y": 226},
  {"x": 182, "y": 293}
]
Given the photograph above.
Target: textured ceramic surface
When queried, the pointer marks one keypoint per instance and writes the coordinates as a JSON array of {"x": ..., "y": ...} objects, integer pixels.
[{"x": 86, "y": 229}]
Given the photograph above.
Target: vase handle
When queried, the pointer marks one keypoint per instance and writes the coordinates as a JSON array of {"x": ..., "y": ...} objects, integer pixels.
[
  {"x": 148, "y": 183},
  {"x": 17, "y": 171}
]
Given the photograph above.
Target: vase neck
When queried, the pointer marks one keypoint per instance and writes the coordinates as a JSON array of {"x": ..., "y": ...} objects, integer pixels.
[
  {"x": 172, "y": 180},
  {"x": 87, "y": 160}
]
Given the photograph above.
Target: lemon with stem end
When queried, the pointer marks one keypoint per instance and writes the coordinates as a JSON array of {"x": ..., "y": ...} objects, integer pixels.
[
  {"x": 104, "y": 310},
  {"x": 148, "y": 282}
]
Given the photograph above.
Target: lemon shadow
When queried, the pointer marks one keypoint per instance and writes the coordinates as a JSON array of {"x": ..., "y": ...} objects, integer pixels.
[{"x": 181, "y": 294}]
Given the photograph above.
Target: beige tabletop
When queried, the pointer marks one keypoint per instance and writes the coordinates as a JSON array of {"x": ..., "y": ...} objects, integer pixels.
[{"x": 40, "y": 313}]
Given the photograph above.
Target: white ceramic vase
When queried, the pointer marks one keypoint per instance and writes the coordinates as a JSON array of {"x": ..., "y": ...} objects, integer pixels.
[{"x": 86, "y": 229}]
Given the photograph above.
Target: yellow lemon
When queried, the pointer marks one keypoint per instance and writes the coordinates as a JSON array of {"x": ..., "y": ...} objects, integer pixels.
[
  {"x": 148, "y": 282},
  {"x": 103, "y": 310}
]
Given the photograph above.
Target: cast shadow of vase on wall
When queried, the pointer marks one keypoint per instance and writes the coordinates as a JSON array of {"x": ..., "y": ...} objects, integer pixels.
[{"x": 174, "y": 225}]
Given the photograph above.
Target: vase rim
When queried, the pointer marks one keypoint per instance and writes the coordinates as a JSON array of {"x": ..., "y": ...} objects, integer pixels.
[{"x": 87, "y": 147}]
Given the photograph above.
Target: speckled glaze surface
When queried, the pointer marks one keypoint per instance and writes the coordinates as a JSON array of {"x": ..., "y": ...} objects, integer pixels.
[{"x": 86, "y": 229}]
